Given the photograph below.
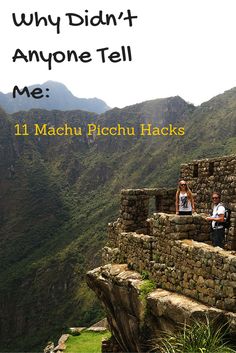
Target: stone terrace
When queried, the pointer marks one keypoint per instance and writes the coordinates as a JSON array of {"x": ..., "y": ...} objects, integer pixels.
[{"x": 175, "y": 251}]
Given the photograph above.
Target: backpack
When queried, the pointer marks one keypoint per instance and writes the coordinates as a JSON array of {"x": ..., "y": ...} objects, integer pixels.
[{"x": 227, "y": 215}]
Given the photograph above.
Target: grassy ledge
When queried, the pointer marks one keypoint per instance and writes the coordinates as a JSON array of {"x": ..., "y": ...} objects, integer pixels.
[{"x": 87, "y": 341}]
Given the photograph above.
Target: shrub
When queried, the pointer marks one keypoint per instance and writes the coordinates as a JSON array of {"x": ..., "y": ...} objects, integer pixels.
[{"x": 200, "y": 337}]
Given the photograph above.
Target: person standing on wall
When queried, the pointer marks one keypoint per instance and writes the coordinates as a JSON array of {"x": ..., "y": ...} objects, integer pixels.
[
  {"x": 217, "y": 221},
  {"x": 184, "y": 203}
]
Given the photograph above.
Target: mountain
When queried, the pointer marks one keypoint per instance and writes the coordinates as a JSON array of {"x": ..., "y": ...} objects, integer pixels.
[
  {"x": 59, "y": 192},
  {"x": 60, "y": 98}
]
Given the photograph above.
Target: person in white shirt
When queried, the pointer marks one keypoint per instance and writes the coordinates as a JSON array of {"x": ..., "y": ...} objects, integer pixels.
[
  {"x": 184, "y": 203},
  {"x": 217, "y": 220}
]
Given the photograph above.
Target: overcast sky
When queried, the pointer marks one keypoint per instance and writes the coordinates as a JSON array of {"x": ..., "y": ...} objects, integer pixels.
[{"x": 179, "y": 47}]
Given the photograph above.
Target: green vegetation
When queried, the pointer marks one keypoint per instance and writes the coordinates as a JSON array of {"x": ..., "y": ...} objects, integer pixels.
[
  {"x": 145, "y": 274},
  {"x": 200, "y": 337},
  {"x": 87, "y": 341},
  {"x": 63, "y": 191},
  {"x": 146, "y": 287}
]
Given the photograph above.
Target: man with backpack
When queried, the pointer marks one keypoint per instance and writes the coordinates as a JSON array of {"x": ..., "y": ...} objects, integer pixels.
[{"x": 218, "y": 221}]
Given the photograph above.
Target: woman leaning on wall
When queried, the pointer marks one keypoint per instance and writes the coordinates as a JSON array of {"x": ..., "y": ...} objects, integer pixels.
[{"x": 184, "y": 203}]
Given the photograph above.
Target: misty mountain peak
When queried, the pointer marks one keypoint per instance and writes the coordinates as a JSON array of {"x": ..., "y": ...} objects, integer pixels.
[{"x": 58, "y": 97}]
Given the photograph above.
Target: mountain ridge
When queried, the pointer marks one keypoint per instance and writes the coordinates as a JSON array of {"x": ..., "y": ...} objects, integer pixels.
[
  {"x": 61, "y": 191},
  {"x": 59, "y": 98}
]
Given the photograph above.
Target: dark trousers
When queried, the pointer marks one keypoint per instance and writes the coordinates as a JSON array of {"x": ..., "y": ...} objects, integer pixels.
[
  {"x": 185, "y": 213},
  {"x": 218, "y": 237}
]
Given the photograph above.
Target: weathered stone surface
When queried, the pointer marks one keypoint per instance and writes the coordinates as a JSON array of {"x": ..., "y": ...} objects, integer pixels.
[
  {"x": 179, "y": 308},
  {"x": 118, "y": 289},
  {"x": 175, "y": 252},
  {"x": 61, "y": 343},
  {"x": 49, "y": 348},
  {"x": 192, "y": 268},
  {"x": 133, "y": 320},
  {"x": 99, "y": 326},
  {"x": 77, "y": 330}
]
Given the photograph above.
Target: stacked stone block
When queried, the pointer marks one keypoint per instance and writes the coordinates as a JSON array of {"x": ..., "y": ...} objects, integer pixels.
[
  {"x": 214, "y": 174},
  {"x": 165, "y": 200},
  {"x": 134, "y": 209},
  {"x": 128, "y": 247},
  {"x": 136, "y": 249},
  {"x": 196, "y": 270},
  {"x": 174, "y": 250},
  {"x": 178, "y": 264},
  {"x": 167, "y": 226}
]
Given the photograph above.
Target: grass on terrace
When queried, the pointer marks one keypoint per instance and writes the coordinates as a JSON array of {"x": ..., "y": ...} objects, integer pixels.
[{"x": 86, "y": 342}]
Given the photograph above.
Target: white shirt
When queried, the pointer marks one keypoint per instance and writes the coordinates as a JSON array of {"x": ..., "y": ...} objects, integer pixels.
[
  {"x": 184, "y": 202},
  {"x": 217, "y": 210}
]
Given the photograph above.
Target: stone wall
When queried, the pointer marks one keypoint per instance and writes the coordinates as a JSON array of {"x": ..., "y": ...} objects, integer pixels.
[
  {"x": 136, "y": 321},
  {"x": 176, "y": 262},
  {"x": 171, "y": 227},
  {"x": 192, "y": 268},
  {"x": 203, "y": 176},
  {"x": 135, "y": 206},
  {"x": 214, "y": 174},
  {"x": 193, "y": 278}
]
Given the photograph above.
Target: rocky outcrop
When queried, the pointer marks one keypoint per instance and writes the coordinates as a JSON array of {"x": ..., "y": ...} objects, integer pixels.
[
  {"x": 136, "y": 317},
  {"x": 194, "y": 280},
  {"x": 61, "y": 346},
  {"x": 61, "y": 343},
  {"x": 100, "y": 326},
  {"x": 118, "y": 289}
]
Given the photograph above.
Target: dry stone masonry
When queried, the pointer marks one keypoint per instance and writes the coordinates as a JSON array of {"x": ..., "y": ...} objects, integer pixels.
[
  {"x": 149, "y": 240},
  {"x": 215, "y": 174},
  {"x": 174, "y": 250},
  {"x": 135, "y": 322}
]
